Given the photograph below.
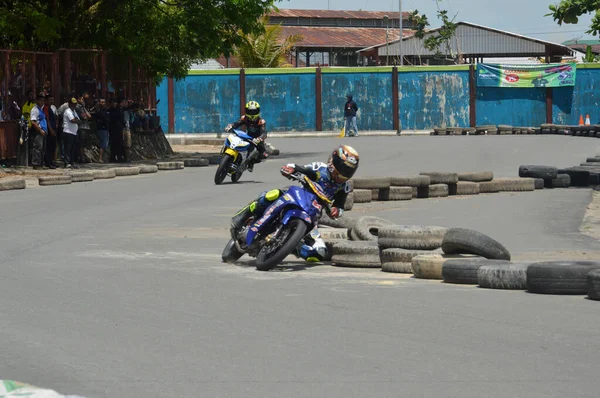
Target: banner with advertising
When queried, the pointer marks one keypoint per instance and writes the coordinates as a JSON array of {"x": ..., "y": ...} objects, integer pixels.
[{"x": 526, "y": 76}]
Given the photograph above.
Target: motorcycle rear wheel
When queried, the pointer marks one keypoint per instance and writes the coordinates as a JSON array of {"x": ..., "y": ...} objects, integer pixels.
[
  {"x": 291, "y": 235},
  {"x": 230, "y": 253},
  {"x": 223, "y": 168}
]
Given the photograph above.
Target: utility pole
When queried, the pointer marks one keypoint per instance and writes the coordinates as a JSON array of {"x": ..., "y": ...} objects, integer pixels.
[
  {"x": 401, "y": 36},
  {"x": 386, "y": 20}
]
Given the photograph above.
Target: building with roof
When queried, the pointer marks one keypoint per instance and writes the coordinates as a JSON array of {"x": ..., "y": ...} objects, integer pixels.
[
  {"x": 471, "y": 43},
  {"x": 582, "y": 45},
  {"x": 333, "y": 37}
]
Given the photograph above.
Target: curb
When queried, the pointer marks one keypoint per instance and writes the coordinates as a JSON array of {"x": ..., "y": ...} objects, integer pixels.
[{"x": 217, "y": 139}]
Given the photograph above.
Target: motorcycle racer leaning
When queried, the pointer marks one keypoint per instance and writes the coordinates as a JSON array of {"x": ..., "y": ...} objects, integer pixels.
[
  {"x": 254, "y": 127},
  {"x": 332, "y": 177}
]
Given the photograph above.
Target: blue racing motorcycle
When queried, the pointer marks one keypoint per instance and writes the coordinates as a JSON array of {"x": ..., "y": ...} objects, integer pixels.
[
  {"x": 235, "y": 156},
  {"x": 283, "y": 225}
]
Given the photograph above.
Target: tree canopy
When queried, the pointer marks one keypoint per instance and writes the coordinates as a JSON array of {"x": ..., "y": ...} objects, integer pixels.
[
  {"x": 569, "y": 11},
  {"x": 165, "y": 36},
  {"x": 266, "y": 50}
]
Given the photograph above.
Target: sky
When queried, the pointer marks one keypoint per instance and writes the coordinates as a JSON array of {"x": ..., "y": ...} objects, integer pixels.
[{"x": 525, "y": 17}]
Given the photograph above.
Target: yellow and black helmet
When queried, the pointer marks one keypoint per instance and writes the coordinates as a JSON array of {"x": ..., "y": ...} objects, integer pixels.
[{"x": 253, "y": 111}]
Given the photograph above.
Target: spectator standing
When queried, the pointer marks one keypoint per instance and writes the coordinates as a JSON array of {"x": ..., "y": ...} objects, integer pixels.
[
  {"x": 61, "y": 112},
  {"x": 350, "y": 109},
  {"x": 117, "y": 124},
  {"x": 128, "y": 116},
  {"x": 102, "y": 125},
  {"x": 52, "y": 117},
  {"x": 14, "y": 111},
  {"x": 28, "y": 106},
  {"x": 39, "y": 131},
  {"x": 84, "y": 127},
  {"x": 70, "y": 127}
]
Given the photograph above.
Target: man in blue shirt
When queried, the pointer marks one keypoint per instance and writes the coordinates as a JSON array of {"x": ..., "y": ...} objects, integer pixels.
[{"x": 39, "y": 130}]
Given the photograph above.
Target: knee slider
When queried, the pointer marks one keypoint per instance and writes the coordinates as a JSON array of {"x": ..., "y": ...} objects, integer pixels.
[{"x": 272, "y": 195}]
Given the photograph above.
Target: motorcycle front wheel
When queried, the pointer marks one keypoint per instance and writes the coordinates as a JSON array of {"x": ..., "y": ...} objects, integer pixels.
[
  {"x": 274, "y": 252},
  {"x": 223, "y": 168},
  {"x": 230, "y": 253},
  {"x": 235, "y": 177}
]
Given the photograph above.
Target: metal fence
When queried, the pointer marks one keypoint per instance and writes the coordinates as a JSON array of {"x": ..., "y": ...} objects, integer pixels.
[{"x": 69, "y": 72}]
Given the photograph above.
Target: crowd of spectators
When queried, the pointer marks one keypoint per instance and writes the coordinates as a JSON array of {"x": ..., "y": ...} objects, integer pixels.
[{"x": 63, "y": 132}]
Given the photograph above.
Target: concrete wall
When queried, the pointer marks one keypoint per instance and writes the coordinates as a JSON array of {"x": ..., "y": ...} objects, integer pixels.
[
  {"x": 372, "y": 92},
  {"x": 513, "y": 106},
  {"x": 433, "y": 98},
  {"x": 287, "y": 100},
  {"x": 205, "y": 103},
  {"x": 584, "y": 98},
  {"x": 428, "y": 97}
]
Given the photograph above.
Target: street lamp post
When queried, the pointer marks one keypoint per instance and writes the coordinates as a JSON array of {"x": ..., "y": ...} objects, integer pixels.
[{"x": 387, "y": 56}]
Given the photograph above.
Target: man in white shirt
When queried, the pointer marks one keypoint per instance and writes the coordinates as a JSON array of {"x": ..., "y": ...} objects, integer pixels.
[{"x": 70, "y": 127}]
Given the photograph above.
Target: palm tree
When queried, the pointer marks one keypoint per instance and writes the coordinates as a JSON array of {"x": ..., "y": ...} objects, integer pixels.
[{"x": 265, "y": 50}]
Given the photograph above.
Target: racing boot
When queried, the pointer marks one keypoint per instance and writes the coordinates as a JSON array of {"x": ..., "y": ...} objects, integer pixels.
[{"x": 241, "y": 216}]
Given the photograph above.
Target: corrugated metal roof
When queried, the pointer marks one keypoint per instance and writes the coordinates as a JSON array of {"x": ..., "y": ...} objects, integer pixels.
[
  {"x": 473, "y": 39},
  {"x": 314, "y": 36},
  {"x": 294, "y": 13},
  {"x": 583, "y": 48}
]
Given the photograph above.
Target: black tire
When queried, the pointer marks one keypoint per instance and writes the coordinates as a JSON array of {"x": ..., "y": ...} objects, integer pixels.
[
  {"x": 417, "y": 181},
  {"x": 362, "y": 195},
  {"x": 561, "y": 181},
  {"x": 465, "y": 271},
  {"x": 593, "y": 284},
  {"x": 511, "y": 277},
  {"x": 356, "y": 247},
  {"x": 441, "y": 178},
  {"x": 223, "y": 168},
  {"x": 371, "y": 182},
  {"x": 467, "y": 241},
  {"x": 579, "y": 177},
  {"x": 397, "y": 268},
  {"x": 201, "y": 162},
  {"x": 367, "y": 228},
  {"x": 538, "y": 171},
  {"x": 476, "y": 177},
  {"x": 264, "y": 262},
  {"x": 415, "y": 237},
  {"x": 12, "y": 184},
  {"x": 467, "y": 188},
  {"x": 439, "y": 190},
  {"x": 400, "y": 193},
  {"x": 356, "y": 255},
  {"x": 489, "y": 187},
  {"x": 402, "y": 255},
  {"x": 560, "y": 277},
  {"x": 349, "y": 203},
  {"x": 344, "y": 221},
  {"x": 230, "y": 253}
]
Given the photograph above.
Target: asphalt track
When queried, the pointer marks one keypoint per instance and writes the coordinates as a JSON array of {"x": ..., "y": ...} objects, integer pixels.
[{"x": 115, "y": 288}]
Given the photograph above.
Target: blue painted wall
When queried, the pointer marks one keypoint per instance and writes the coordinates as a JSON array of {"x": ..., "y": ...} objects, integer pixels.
[
  {"x": 287, "y": 101},
  {"x": 372, "y": 92},
  {"x": 206, "y": 103},
  {"x": 428, "y": 98},
  {"x": 584, "y": 98},
  {"x": 162, "y": 109},
  {"x": 513, "y": 106},
  {"x": 433, "y": 99}
]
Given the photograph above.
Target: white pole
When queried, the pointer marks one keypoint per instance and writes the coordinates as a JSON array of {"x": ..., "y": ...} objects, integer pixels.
[{"x": 400, "y": 12}]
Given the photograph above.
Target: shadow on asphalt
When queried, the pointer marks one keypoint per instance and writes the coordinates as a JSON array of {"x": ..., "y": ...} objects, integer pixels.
[{"x": 287, "y": 266}]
